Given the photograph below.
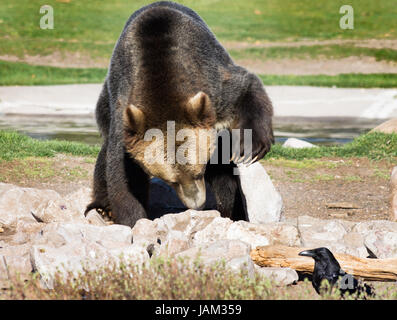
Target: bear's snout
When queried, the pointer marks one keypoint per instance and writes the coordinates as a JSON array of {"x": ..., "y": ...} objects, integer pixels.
[{"x": 192, "y": 194}]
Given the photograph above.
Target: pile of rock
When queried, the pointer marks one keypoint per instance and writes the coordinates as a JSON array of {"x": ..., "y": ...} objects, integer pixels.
[{"x": 44, "y": 232}]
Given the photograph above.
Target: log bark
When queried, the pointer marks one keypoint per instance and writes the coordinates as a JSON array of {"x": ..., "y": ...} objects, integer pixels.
[{"x": 287, "y": 257}]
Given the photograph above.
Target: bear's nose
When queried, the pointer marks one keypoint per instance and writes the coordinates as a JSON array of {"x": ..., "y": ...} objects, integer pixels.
[{"x": 192, "y": 194}]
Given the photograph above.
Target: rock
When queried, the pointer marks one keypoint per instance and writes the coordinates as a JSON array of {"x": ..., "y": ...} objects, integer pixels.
[
  {"x": 298, "y": 144},
  {"x": 79, "y": 199},
  {"x": 331, "y": 234},
  {"x": 375, "y": 225},
  {"x": 214, "y": 231},
  {"x": 264, "y": 202},
  {"x": 279, "y": 233},
  {"x": 57, "y": 211},
  {"x": 389, "y": 126},
  {"x": 76, "y": 258},
  {"x": 164, "y": 200},
  {"x": 174, "y": 243},
  {"x": 216, "y": 252},
  {"x": 17, "y": 203},
  {"x": 240, "y": 231},
  {"x": 393, "y": 204},
  {"x": 243, "y": 263},
  {"x": 281, "y": 276},
  {"x": 382, "y": 243},
  {"x": 380, "y": 236},
  {"x": 189, "y": 222},
  {"x": 95, "y": 218},
  {"x": 145, "y": 231},
  {"x": 15, "y": 260},
  {"x": 60, "y": 234}
]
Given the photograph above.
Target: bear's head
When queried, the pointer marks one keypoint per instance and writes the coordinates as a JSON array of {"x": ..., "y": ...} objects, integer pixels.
[{"x": 174, "y": 144}]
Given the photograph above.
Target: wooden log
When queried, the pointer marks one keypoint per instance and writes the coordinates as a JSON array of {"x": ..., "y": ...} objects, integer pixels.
[{"x": 287, "y": 257}]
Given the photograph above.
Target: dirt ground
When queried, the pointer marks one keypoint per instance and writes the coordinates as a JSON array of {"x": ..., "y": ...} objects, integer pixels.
[
  {"x": 353, "y": 64},
  {"x": 350, "y": 189}
]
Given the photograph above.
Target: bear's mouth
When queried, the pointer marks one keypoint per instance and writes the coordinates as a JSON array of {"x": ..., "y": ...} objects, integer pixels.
[{"x": 192, "y": 194}]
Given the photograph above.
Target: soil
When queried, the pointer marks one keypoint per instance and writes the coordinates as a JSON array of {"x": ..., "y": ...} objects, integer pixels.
[
  {"x": 325, "y": 66},
  {"x": 307, "y": 187}
]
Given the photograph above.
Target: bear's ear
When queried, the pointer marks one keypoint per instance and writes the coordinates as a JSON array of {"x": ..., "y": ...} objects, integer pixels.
[
  {"x": 200, "y": 109},
  {"x": 134, "y": 120}
]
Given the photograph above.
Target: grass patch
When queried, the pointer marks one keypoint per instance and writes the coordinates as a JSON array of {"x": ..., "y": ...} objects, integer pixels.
[
  {"x": 314, "y": 52},
  {"x": 165, "y": 279},
  {"x": 16, "y": 73},
  {"x": 375, "y": 146},
  {"x": 17, "y": 146},
  {"x": 344, "y": 80},
  {"x": 92, "y": 26}
]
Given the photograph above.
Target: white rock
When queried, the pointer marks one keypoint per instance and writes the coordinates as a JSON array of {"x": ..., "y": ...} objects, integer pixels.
[
  {"x": 264, "y": 202},
  {"x": 58, "y": 211},
  {"x": 95, "y": 218},
  {"x": 76, "y": 257},
  {"x": 281, "y": 276},
  {"x": 298, "y": 144},
  {"x": 80, "y": 199},
  {"x": 214, "y": 231},
  {"x": 59, "y": 234},
  {"x": 175, "y": 242},
  {"x": 382, "y": 243},
  {"x": 17, "y": 203},
  {"x": 189, "y": 222},
  {"x": 238, "y": 231},
  {"x": 222, "y": 250},
  {"x": 243, "y": 263}
]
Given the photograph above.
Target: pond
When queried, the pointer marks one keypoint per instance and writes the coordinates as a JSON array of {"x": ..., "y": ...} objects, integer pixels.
[{"x": 321, "y": 131}]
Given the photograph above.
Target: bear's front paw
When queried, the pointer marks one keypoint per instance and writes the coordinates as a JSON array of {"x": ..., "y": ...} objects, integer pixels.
[{"x": 251, "y": 146}]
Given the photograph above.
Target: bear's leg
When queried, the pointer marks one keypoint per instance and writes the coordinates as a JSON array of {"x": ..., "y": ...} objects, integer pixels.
[
  {"x": 100, "y": 195},
  {"x": 230, "y": 201},
  {"x": 128, "y": 186}
]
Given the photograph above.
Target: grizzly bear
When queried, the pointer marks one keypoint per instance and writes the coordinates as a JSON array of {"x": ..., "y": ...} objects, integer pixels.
[{"x": 168, "y": 66}]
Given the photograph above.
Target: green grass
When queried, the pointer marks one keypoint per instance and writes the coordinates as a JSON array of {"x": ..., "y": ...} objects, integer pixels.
[
  {"x": 15, "y": 73},
  {"x": 17, "y": 146},
  {"x": 375, "y": 146},
  {"x": 313, "y": 52},
  {"x": 92, "y": 26},
  {"x": 344, "y": 80}
]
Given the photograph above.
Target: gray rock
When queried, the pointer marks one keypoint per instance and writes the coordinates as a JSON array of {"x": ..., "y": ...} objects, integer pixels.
[
  {"x": 264, "y": 202},
  {"x": 280, "y": 276},
  {"x": 298, "y": 144}
]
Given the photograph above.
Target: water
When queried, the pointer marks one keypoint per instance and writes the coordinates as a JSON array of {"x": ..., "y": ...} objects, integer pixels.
[{"x": 321, "y": 131}]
